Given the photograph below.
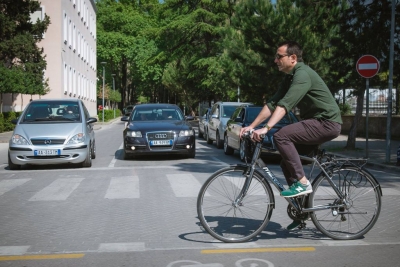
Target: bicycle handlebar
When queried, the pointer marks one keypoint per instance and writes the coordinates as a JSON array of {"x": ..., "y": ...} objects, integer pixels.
[{"x": 249, "y": 133}]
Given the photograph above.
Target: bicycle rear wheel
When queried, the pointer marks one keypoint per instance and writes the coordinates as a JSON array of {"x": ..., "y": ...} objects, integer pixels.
[
  {"x": 229, "y": 220},
  {"x": 362, "y": 203}
]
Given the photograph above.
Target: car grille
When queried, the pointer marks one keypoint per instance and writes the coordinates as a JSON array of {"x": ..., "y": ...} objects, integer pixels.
[
  {"x": 47, "y": 141},
  {"x": 160, "y": 136}
]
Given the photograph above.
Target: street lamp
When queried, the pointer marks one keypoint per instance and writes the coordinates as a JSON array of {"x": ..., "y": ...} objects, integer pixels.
[
  {"x": 104, "y": 74},
  {"x": 113, "y": 75}
]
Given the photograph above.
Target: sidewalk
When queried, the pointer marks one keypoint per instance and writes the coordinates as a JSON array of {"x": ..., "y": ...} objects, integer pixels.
[
  {"x": 376, "y": 148},
  {"x": 376, "y": 151}
]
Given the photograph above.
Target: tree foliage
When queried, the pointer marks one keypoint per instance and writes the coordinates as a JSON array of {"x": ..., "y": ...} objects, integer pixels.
[{"x": 22, "y": 62}]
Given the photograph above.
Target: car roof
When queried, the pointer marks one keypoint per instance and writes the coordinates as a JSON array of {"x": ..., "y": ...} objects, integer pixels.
[
  {"x": 156, "y": 105},
  {"x": 56, "y": 100},
  {"x": 232, "y": 103}
]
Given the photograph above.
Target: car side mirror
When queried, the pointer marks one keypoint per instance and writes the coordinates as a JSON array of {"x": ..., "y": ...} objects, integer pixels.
[
  {"x": 238, "y": 119},
  {"x": 14, "y": 121},
  {"x": 125, "y": 118},
  {"x": 91, "y": 120}
]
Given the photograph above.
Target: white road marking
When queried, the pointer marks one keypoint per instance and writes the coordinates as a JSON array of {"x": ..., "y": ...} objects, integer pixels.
[
  {"x": 13, "y": 250},
  {"x": 123, "y": 187},
  {"x": 121, "y": 247},
  {"x": 60, "y": 189},
  {"x": 7, "y": 185},
  {"x": 112, "y": 163},
  {"x": 184, "y": 185}
]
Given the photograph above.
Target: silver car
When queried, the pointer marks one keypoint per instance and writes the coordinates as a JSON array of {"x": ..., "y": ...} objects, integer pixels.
[
  {"x": 53, "y": 132},
  {"x": 221, "y": 112}
]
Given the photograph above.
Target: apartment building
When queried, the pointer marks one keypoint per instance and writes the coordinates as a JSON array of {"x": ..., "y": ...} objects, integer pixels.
[{"x": 70, "y": 48}]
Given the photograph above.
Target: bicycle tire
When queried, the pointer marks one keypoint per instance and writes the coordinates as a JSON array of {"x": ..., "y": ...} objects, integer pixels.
[
  {"x": 234, "y": 223},
  {"x": 363, "y": 195}
]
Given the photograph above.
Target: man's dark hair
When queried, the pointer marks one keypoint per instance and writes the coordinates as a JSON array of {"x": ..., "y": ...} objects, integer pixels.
[{"x": 293, "y": 48}]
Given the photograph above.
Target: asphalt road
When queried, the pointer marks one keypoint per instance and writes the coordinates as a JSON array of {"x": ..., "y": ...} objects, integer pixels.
[{"x": 143, "y": 213}]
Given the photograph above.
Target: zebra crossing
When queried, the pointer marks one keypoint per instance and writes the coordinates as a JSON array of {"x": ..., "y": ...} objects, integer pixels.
[{"x": 121, "y": 187}]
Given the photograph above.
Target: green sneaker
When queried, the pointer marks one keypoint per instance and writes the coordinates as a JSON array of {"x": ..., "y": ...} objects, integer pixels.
[
  {"x": 297, "y": 189},
  {"x": 293, "y": 225}
]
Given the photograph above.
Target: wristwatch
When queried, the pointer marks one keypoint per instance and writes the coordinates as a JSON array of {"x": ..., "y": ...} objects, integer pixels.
[{"x": 267, "y": 126}]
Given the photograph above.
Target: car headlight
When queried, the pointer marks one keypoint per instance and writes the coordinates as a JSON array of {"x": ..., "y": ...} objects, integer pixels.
[
  {"x": 186, "y": 133},
  {"x": 134, "y": 134},
  {"x": 78, "y": 138},
  {"x": 19, "y": 140}
]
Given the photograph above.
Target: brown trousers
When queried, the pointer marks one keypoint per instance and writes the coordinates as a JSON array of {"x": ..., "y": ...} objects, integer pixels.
[{"x": 302, "y": 138}]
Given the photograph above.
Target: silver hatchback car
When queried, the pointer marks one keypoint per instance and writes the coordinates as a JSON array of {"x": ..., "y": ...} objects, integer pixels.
[{"x": 53, "y": 131}]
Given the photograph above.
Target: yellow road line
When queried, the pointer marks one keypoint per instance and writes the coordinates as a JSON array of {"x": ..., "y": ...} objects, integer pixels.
[
  {"x": 41, "y": 257},
  {"x": 251, "y": 250}
]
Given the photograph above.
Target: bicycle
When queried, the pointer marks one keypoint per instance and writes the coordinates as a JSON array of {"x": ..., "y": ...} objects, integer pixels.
[{"x": 235, "y": 204}]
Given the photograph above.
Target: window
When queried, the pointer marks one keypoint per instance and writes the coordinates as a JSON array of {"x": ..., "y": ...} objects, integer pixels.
[{"x": 65, "y": 27}]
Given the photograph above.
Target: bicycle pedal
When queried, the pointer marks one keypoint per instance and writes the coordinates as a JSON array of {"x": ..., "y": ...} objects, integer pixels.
[{"x": 302, "y": 225}]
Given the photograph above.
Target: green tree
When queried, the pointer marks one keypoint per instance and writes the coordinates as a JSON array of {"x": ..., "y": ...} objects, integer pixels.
[
  {"x": 364, "y": 29},
  {"x": 190, "y": 39},
  {"x": 258, "y": 26},
  {"x": 119, "y": 24},
  {"x": 22, "y": 63}
]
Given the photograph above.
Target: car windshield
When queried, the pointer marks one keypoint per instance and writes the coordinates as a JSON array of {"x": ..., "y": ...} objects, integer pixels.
[
  {"x": 52, "y": 111},
  {"x": 156, "y": 114},
  {"x": 252, "y": 113},
  {"x": 227, "y": 111}
]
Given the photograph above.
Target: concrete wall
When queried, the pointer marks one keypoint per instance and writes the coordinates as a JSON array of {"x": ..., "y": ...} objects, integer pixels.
[{"x": 376, "y": 126}]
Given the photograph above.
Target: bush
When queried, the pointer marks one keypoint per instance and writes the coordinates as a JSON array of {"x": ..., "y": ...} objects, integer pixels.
[
  {"x": 345, "y": 109},
  {"x": 108, "y": 114},
  {"x": 5, "y": 120}
]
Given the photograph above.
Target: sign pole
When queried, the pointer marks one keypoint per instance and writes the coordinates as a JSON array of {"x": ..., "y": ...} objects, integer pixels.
[
  {"x": 367, "y": 66},
  {"x": 366, "y": 116}
]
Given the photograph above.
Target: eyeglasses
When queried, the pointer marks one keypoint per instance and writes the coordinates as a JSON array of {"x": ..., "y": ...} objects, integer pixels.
[{"x": 278, "y": 56}]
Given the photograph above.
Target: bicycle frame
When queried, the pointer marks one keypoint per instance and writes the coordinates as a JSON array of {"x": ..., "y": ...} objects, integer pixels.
[{"x": 297, "y": 202}]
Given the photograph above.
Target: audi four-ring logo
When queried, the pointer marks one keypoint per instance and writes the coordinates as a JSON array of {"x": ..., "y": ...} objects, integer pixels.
[
  {"x": 47, "y": 142},
  {"x": 160, "y": 135}
]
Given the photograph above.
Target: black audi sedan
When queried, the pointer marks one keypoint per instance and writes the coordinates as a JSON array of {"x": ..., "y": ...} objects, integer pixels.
[{"x": 158, "y": 129}]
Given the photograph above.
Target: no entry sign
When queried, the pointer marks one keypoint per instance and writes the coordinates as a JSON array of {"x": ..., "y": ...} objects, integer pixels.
[{"x": 367, "y": 66}]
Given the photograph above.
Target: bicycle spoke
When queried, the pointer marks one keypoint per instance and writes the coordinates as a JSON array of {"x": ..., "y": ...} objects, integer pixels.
[
  {"x": 358, "y": 210},
  {"x": 228, "y": 216}
]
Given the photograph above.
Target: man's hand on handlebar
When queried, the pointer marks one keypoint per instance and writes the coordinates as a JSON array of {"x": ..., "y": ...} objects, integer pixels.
[
  {"x": 259, "y": 134},
  {"x": 245, "y": 129}
]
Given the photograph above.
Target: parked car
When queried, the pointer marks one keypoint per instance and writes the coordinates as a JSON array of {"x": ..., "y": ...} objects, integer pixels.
[
  {"x": 244, "y": 116},
  {"x": 203, "y": 122},
  {"x": 158, "y": 129},
  {"x": 127, "y": 110},
  {"x": 53, "y": 131},
  {"x": 220, "y": 114}
]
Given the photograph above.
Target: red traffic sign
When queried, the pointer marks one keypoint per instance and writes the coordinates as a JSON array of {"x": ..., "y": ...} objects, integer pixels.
[{"x": 367, "y": 66}]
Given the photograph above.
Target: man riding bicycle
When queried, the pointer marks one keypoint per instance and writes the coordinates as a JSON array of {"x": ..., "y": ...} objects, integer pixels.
[{"x": 320, "y": 117}]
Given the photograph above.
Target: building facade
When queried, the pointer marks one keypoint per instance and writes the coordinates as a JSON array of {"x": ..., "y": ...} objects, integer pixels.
[{"x": 69, "y": 45}]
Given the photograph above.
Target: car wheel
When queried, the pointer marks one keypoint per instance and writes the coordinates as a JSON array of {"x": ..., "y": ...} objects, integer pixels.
[
  {"x": 242, "y": 151},
  {"x": 200, "y": 134},
  {"x": 209, "y": 141},
  {"x": 227, "y": 149},
  {"x": 88, "y": 160},
  {"x": 125, "y": 156},
  {"x": 218, "y": 141},
  {"x": 11, "y": 165},
  {"x": 94, "y": 150}
]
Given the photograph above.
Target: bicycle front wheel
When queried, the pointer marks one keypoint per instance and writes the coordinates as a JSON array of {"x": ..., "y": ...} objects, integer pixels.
[
  {"x": 226, "y": 215},
  {"x": 353, "y": 215}
]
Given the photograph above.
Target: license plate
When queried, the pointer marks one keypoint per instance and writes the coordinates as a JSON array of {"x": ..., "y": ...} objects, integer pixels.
[
  {"x": 161, "y": 142},
  {"x": 47, "y": 152}
]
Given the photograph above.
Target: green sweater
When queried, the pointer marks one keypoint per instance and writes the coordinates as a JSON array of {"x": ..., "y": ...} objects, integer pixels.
[{"x": 305, "y": 89}]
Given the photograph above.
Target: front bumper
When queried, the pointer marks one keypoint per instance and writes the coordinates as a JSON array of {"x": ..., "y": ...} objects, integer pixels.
[
  {"x": 140, "y": 145},
  {"x": 22, "y": 155}
]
